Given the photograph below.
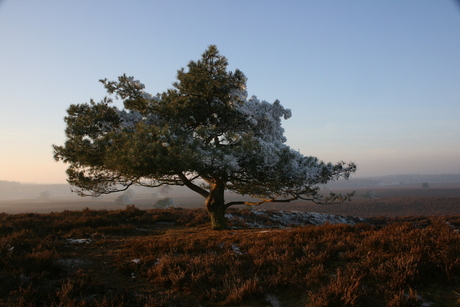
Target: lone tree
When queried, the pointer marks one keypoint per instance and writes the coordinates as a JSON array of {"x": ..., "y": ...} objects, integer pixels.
[{"x": 204, "y": 133}]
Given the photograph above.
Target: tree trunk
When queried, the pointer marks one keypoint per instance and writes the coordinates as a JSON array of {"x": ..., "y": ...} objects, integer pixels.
[{"x": 215, "y": 204}]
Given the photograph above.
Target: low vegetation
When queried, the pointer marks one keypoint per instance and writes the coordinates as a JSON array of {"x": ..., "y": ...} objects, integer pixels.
[{"x": 135, "y": 257}]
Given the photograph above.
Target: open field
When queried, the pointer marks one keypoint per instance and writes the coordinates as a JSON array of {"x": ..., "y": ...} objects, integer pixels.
[
  {"x": 406, "y": 252},
  {"x": 134, "y": 257},
  {"x": 392, "y": 202},
  {"x": 439, "y": 199}
]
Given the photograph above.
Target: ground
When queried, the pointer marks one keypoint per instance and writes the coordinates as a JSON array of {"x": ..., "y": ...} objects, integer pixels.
[{"x": 409, "y": 256}]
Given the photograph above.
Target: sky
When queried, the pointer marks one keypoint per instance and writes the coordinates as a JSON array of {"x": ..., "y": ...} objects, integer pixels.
[{"x": 373, "y": 82}]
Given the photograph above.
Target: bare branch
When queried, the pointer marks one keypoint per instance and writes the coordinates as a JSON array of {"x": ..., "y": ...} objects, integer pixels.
[
  {"x": 189, "y": 184},
  {"x": 99, "y": 192}
]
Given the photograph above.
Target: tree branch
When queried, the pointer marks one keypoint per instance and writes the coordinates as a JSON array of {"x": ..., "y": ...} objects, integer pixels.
[
  {"x": 189, "y": 184},
  {"x": 331, "y": 199},
  {"x": 99, "y": 192},
  {"x": 256, "y": 203}
]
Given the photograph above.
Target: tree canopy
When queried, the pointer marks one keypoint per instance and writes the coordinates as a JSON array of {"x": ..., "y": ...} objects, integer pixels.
[{"x": 204, "y": 133}]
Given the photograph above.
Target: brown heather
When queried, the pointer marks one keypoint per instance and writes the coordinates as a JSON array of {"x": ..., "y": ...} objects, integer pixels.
[{"x": 136, "y": 257}]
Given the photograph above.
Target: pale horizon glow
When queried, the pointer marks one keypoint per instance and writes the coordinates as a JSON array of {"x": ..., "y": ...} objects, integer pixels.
[{"x": 373, "y": 82}]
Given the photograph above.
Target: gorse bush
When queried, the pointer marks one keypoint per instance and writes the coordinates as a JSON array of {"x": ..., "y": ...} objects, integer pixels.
[{"x": 134, "y": 257}]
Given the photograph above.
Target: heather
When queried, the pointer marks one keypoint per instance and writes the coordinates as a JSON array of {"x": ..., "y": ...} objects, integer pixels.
[{"x": 136, "y": 257}]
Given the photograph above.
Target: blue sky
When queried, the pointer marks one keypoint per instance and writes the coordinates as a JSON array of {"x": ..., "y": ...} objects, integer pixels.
[{"x": 374, "y": 82}]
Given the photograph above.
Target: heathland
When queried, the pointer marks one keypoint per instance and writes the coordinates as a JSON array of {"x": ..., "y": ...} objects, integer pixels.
[{"x": 403, "y": 250}]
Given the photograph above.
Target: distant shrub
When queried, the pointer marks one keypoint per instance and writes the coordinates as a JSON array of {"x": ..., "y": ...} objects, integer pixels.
[
  {"x": 44, "y": 195},
  {"x": 124, "y": 200},
  {"x": 369, "y": 194},
  {"x": 165, "y": 203}
]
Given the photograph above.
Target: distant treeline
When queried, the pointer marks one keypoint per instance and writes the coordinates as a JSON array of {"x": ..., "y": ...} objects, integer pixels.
[
  {"x": 11, "y": 190},
  {"x": 394, "y": 180},
  {"x": 17, "y": 190}
]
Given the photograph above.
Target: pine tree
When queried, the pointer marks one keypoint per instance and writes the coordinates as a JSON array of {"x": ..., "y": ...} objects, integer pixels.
[{"x": 204, "y": 133}]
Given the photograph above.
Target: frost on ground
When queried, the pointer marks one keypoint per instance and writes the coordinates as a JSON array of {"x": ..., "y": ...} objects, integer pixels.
[
  {"x": 273, "y": 300},
  {"x": 78, "y": 241},
  {"x": 283, "y": 219}
]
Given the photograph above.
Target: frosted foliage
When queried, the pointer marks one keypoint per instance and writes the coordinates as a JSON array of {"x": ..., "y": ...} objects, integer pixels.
[
  {"x": 293, "y": 164},
  {"x": 204, "y": 129},
  {"x": 129, "y": 119},
  {"x": 231, "y": 163},
  {"x": 211, "y": 159},
  {"x": 239, "y": 94},
  {"x": 266, "y": 118},
  {"x": 146, "y": 96},
  {"x": 305, "y": 169},
  {"x": 135, "y": 84},
  {"x": 270, "y": 152},
  {"x": 263, "y": 119}
]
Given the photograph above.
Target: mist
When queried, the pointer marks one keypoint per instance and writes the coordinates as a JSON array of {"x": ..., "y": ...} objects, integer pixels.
[{"x": 16, "y": 197}]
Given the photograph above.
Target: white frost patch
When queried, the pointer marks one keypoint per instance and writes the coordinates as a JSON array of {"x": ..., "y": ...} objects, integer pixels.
[
  {"x": 79, "y": 241},
  {"x": 236, "y": 250},
  {"x": 283, "y": 219},
  {"x": 272, "y": 300},
  {"x": 137, "y": 260}
]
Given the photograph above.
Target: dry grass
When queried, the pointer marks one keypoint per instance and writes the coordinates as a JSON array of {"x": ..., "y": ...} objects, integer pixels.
[{"x": 134, "y": 257}]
